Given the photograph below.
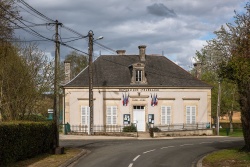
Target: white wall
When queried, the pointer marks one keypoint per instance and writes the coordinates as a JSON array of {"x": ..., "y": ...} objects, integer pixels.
[{"x": 176, "y": 98}]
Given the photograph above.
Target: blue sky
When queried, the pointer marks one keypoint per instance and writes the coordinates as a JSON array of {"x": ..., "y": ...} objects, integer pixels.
[{"x": 176, "y": 27}]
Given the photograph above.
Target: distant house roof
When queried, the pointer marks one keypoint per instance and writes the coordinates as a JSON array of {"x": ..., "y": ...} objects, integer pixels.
[{"x": 113, "y": 71}]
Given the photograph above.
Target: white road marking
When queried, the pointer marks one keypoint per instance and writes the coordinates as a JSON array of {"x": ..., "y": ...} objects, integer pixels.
[
  {"x": 205, "y": 142},
  {"x": 167, "y": 147},
  {"x": 186, "y": 145},
  {"x": 136, "y": 157},
  {"x": 148, "y": 151},
  {"x": 130, "y": 165}
]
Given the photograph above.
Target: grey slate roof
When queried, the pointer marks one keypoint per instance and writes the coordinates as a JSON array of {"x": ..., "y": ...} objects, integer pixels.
[{"x": 113, "y": 71}]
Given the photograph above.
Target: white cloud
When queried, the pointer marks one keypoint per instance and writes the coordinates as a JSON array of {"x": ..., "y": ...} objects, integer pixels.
[{"x": 176, "y": 27}]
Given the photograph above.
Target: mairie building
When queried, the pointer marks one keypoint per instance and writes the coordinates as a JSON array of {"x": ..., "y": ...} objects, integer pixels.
[{"x": 143, "y": 89}]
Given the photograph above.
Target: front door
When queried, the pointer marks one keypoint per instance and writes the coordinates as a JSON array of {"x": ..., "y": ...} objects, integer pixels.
[{"x": 139, "y": 118}]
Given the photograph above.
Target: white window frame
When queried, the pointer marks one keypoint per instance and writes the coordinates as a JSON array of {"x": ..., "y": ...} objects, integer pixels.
[
  {"x": 190, "y": 114},
  {"x": 85, "y": 115},
  {"x": 111, "y": 115},
  {"x": 166, "y": 115},
  {"x": 138, "y": 75}
]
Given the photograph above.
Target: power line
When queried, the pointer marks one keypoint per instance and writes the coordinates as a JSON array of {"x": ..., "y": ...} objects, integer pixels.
[
  {"x": 35, "y": 11},
  {"x": 14, "y": 27},
  {"x": 31, "y": 13},
  {"x": 67, "y": 28},
  {"x": 75, "y": 32},
  {"x": 104, "y": 46},
  {"x": 74, "y": 39},
  {"x": 33, "y": 31},
  {"x": 84, "y": 36},
  {"x": 43, "y": 17},
  {"x": 17, "y": 40},
  {"x": 64, "y": 44}
]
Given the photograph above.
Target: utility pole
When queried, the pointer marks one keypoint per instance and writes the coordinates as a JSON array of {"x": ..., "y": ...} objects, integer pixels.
[
  {"x": 91, "y": 106},
  {"x": 56, "y": 89},
  {"x": 218, "y": 111},
  {"x": 1, "y": 97}
]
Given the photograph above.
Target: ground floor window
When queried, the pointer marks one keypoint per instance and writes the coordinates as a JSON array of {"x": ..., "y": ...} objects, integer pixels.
[
  {"x": 165, "y": 115},
  {"x": 111, "y": 115},
  {"x": 85, "y": 115},
  {"x": 191, "y": 114}
]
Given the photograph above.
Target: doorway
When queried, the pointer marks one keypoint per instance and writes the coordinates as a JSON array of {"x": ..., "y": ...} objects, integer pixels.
[{"x": 139, "y": 117}]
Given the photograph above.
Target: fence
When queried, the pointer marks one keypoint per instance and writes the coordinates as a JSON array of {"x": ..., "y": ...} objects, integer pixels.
[
  {"x": 176, "y": 127},
  {"x": 98, "y": 128},
  {"x": 119, "y": 128}
]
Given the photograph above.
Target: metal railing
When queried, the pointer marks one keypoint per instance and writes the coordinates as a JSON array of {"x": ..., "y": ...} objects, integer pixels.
[
  {"x": 119, "y": 128},
  {"x": 182, "y": 126},
  {"x": 98, "y": 128}
]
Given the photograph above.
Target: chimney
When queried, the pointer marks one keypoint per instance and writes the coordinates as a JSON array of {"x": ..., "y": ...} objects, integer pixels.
[
  {"x": 142, "y": 52},
  {"x": 121, "y": 52},
  {"x": 67, "y": 71},
  {"x": 197, "y": 67}
]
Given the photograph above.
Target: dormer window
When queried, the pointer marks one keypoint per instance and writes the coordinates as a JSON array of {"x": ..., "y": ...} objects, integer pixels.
[
  {"x": 137, "y": 72},
  {"x": 138, "y": 75}
]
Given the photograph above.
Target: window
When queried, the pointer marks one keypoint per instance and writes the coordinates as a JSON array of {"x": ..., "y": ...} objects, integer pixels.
[
  {"x": 165, "y": 115},
  {"x": 111, "y": 118},
  {"x": 138, "y": 107},
  {"x": 191, "y": 114},
  {"x": 138, "y": 75},
  {"x": 85, "y": 115}
]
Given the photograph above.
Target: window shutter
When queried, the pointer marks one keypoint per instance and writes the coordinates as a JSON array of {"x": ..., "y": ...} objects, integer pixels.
[
  {"x": 108, "y": 112},
  {"x": 85, "y": 115},
  {"x": 193, "y": 114},
  {"x": 114, "y": 114},
  {"x": 188, "y": 115},
  {"x": 163, "y": 115},
  {"x": 168, "y": 115}
]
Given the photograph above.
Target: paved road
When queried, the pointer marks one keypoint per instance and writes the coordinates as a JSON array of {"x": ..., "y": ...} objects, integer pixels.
[{"x": 184, "y": 152}]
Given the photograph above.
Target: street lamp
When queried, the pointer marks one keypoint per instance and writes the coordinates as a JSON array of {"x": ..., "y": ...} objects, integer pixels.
[
  {"x": 218, "y": 110},
  {"x": 91, "y": 102}
]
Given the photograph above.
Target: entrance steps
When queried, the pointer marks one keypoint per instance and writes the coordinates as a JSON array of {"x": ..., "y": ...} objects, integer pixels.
[{"x": 144, "y": 135}]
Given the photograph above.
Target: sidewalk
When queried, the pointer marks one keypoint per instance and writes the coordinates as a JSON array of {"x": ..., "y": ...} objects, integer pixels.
[
  {"x": 94, "y": 137},
  {"x": 81, "y": 137}
]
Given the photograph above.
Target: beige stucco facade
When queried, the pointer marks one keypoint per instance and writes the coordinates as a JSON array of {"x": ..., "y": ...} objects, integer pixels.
[{"x": 177, "y": 98}]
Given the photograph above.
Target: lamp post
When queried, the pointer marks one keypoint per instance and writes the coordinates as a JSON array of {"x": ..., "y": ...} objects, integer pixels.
[
  {"x": 218, "y": 111},
  {"x": 91, "y": 100}
]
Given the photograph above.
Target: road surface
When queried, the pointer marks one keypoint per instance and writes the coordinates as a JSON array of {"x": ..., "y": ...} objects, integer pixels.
[{"x": 180, "y": 152}]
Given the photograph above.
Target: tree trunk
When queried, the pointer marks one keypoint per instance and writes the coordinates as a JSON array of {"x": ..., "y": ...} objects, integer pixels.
[
  {"x": 245, "y": 115},
  {"x": 230, "y": 116}
]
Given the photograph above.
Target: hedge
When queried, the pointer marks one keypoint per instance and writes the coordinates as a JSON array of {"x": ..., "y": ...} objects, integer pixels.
[
  {"x": 131, "y": 128},
  {"x": 22, "y": 140}
]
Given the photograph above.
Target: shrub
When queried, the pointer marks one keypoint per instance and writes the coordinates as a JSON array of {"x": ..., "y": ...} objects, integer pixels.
[
  {"x": 152, "y": 130},
  {"x": 131, "y": 128},
  {"x": 33, "y": 117},
  {"x": 22, "y": 140}
]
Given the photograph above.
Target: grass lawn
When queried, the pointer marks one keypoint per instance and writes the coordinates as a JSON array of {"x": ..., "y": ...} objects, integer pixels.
[
  {"x": 235, "y": 133},
  {"x": 48, "y": 160},
  {"x": 227, "y": 158}
]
